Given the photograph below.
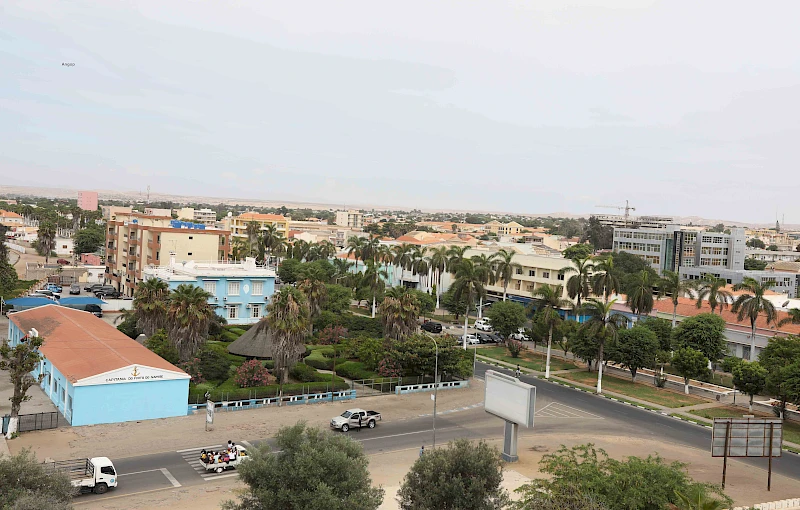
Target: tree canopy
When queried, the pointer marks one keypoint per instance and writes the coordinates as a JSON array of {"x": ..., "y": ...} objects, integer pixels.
[
  {"x": 635, "y": 348},
  {"x": 309, "y": 468},
  {"x": 26, "y": 484},
  {"x": 506, "y": 317},
  {"x": 704, "y": 332},
  {"x": 578, "y": 251}
]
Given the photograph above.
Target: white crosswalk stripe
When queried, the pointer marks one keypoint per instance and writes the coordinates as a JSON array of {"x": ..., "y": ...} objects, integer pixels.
[
  {"x": 559, "y": 410},
  {"x": 192, "y": 457}
]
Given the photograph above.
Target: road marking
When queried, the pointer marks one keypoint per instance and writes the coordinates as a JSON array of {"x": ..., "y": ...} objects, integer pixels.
[
  {"x": 559, "y": 410},
  {"x": 171, "y": 478},
  {"x": 198, "y": 448},
  {"x": 139, "y": 472},
  {"x": 247, "y": 444},
  {"x": 84, "y": 501},
  {"x": 403, "y": 434}
]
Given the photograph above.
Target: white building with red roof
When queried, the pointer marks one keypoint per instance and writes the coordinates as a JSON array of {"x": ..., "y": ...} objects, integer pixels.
[{"x": 94, "y": 373}]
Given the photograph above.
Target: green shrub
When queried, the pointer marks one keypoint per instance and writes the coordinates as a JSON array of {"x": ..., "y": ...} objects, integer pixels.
[
  {"x": 354, "y": 370},
  {"x": 270, "y": 364},
  {"x": 222, "y": 348},
  {"x": 228, "y": 336},
  {"x": 305, "y": 373},
  {"x": 226, "y": 392},
  {"x": 213, "y": 365},
  {"x": 159, "y": 343}
]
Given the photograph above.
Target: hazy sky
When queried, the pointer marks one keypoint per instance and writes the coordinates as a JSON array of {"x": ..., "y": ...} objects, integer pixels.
[{"x": 682, "y": 107}]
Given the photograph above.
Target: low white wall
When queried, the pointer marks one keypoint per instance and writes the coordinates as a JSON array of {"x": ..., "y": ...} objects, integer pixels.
[
  {"x": 116, "y": 305},
  {"x": 16, "y": 247}
]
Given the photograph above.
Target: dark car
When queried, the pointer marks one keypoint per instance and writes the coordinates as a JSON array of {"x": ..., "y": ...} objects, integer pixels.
[
  {"x": 63, "y": 262},
  {"x": 495, "y": 338},
  {"x": 107, "y": 291},
  {"x": 432, "y": 327},
  {"x": 91, "y": 287},
  {"x": 74, "y": 289},
  {"x": 95, "y": 310}
]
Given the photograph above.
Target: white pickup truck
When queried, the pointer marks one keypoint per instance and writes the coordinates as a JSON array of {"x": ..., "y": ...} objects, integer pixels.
[
  {"x": 222, "y": 465},
  {"x": 349, "y": 419},
  {"x": 88, "y": 475}
]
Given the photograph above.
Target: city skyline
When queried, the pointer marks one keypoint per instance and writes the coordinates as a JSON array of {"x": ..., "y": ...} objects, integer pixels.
[{"x": 488, "y": 106}]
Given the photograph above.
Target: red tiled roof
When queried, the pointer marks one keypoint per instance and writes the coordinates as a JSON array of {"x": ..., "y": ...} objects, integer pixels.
[
  {"x": 80, "y": 345},
  {"x": 9, "y": 214},
  {"x": 688, "y": 308},
  {"x": 258, "y": 216}
]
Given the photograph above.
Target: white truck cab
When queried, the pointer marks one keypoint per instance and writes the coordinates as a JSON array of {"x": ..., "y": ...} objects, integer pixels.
[{"x": 97, "y": 474}]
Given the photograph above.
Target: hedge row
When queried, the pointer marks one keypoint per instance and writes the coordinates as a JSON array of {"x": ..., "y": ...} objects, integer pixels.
[
  {"x": 197, "y": 396},
  {"x": 354, "y": 370}
]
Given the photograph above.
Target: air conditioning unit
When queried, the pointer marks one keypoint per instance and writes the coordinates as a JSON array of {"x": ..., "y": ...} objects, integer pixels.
[{"x": 249, "y": 305}]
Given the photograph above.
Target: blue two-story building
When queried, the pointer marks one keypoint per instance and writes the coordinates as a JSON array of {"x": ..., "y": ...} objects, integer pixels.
[{"x": 239, "y": 291}]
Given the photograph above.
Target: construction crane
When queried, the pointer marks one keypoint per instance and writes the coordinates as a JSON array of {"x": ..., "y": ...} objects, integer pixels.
[{"x": 627, "y": 209}]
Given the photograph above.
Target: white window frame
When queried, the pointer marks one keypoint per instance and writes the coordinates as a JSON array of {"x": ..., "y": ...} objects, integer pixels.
[
  {"x": 258, "y": 288},
  {"x": 255, "y": 311},
  {"x": 232, "y": 312},
  {"x": 235, "y": 285},
  {"x": 210, "y": 286}
]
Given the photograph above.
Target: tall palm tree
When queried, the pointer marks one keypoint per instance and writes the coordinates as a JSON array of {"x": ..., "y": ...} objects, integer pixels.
[
  {"x": 437, "y": 261},
  {"x": 402, "y": 258},
  {"x": 300, "y": 249},
  {"x": 712, "y": 289},
  {"x": 370, "y": 249},
  {"x": 399, "y": 315},
  {"x": 46, "y": 238},
  {"x": 752, "y": 305},
  {"x": 188, "y": 318},
  {"x": 792, "y": 318},
  {"x": 253, "y": 230},
  {"x": 239, "y": 248},
  {"x": 280, "y": 247},
  {"x": 269, "y": 237},
  {"x": 604, "y": 278},
  {"x": 602, "y": 323},
  {"x": 355, "y": 248},
  {"x": 468, "y": 283},
  {"x": 548, "y": 301},
  {"x": 578, "y": 285},
  {"x": 639, "y": 295},
  {"x": 419, "y": 264},
  {"x": 288, "y": 324},
  {"x": 671, "y": 284},
  {"x": 150, "y": 302},
  {"x": 456, "y": 254},
  {"x": 485, "y": 267},
  {"x": 374, "y": 276},
  {"x": 341, "y": 268},
  {"x": 505, "y": 268},
  {"x": 316, "y": 294}
]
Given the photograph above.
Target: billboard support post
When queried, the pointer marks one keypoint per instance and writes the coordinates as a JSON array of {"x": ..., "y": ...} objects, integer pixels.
[
  {"x": 510, "y": 437},
  {"x": 514, "y": 402},
  {"x": 725, "y": 457},
  {"x": 769, "y": 472}
]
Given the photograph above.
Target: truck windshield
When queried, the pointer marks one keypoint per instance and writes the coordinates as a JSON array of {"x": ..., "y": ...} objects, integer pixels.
[{"x": 346, "y": 414}]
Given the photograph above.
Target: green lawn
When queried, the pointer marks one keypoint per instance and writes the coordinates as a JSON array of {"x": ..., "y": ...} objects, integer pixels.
[
  {"x": 791, "y": 429},
  {"x": 527, "y": 359},
  {"x": 646, "y": 392}
]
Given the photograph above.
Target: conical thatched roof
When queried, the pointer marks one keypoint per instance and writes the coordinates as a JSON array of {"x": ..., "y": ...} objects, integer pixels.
[{"x": 254, "y": 343}]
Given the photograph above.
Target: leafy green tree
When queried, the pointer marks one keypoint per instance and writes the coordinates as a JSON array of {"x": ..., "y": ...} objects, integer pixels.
[
  {"x": 635, "y": 348},
  {"x": 416, "y": 355},
  {"x": 20, "y": 361},
  {"x": 600, "y": 236},
  {"x": 548, "y": 302},
  {"x": 437, "y": 260},
  {"x": 159, "y": 343},
  {"x": 425, "y": 301},
  {"x": 781, "y": 359},
  {"x": 506, "y": 317},
  {"x": 630, "y": 484},
  {"x": 88, "y": 240},
  {"x": 288, "y": 270},
  {"x": 128, "y": 324},
  {"x": 453, "y": 305},
  {"x": 338, "y": 299},
  {"x": 689, "y": 363},
  {"x": 712, "y": 289},
  {"x": 673, "y": 286},
  {"x": 752, "y": 304},
  {"x": 704, "y": 332},
  {"x": 663, "y": 330},
  {"x": 308, "y": 469},
  {"x": 27, "y": 484},
  {"x": 750, "y": 378},
  {"x": 772, "y": 247},
  {"x": 8, "y": 275},
  {"x": 316, "y": 294},
  {"x": 627, "y": 264},
  {"x": 373, "y": 282},
  {"x": 578, "y": 251},
  {"x": 753, "y": 264},
  {"x": 462, "y": 475},
  {"x": 188, "y": 319},
  {"x": 755, "y": 243}
]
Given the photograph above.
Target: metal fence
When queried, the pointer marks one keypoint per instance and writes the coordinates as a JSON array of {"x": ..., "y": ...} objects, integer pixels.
[{"x": 38, "y": 421}]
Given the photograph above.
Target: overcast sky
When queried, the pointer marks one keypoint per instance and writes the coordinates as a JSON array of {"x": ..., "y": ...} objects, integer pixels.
[{"x": 682, "y": 107}]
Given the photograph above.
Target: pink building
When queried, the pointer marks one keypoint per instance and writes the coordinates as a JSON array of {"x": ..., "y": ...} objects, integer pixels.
[
  {"x": 91, "y": 259},
  {"x": 87, "y": 200}
]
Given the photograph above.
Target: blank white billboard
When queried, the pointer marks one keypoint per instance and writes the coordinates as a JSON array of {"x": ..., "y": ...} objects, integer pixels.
[{"x": 510, "y": 399}]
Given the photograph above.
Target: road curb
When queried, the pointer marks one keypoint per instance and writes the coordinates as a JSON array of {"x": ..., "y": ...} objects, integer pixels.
[{"x": 632, "y": 404}]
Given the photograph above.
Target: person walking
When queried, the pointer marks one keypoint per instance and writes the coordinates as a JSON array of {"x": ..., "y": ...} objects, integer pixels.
[
  {"x": 518, "y": 372},
  {"x": 422, "y": 451},
  {"x": 359, "y": 422}
]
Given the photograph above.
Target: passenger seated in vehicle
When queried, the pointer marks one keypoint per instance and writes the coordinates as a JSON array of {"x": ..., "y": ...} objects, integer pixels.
[{"x": 203, "y": 457}]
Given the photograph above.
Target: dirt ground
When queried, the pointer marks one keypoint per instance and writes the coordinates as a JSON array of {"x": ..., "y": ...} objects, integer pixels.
[
  {"x": 170, "y": 434},
  {"x": 746, "y": 484}
]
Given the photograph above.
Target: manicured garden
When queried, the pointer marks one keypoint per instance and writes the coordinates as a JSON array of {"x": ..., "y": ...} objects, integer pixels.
[
  {"x": 642, "y": 391},
  {"x": 527, "y": 359}
]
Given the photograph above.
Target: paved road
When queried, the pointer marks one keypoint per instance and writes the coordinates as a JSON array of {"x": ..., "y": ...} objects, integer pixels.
[{"x": 559, "y": 410}]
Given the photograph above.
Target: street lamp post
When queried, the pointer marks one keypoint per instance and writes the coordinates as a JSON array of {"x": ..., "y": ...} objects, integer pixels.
[{"x": 435, "y": 388}]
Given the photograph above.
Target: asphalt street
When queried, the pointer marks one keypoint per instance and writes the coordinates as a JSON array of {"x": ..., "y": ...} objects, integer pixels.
[{"x": 558, "y": 410}]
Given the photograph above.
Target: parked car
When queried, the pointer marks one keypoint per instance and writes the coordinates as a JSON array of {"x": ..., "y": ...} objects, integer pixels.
[
  {"x": 107, "y": 291},
  {"x": 46, "y": 293},
  {"x": 349, "y": 419},
  {"x": 432, "y": 327},
  {"x": 91, "y": 287},
  {"x": 495, "y": 338},
  {"x": 94, "y": 310},
  {"x": 471, "y": 339},
  {"x": 488, "y": 338},
  {"x": 520, "y": 335},
  {"x": 63, "y": 262},
  {"x": 74, "y": 289},
  {"x": 483, "y": 325},
  {"x": 54, "y": 288}
]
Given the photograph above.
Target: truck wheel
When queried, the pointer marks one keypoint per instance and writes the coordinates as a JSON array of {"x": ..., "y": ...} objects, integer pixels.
[
  {"x": 219, "y": 470},
  {"x": 345, "y": 428},
  {"x": 100, "y": 488},
  {"x": 371, "y": 424}
]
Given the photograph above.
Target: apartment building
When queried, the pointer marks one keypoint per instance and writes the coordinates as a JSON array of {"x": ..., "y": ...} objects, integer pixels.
[
  {"x": 675, "y": 246},
  {"x": 621, "y": 221},
  {"x": 87, "y": 200},
  {"x": 350, "y": 219},
  {"x": 135, "y": 241},
  {"x": 784, "y": 282},
  {"x": 503, "y": 229},
  {"x": 773, "y": 256},
  {"x": 207, "y": 217},
  {"x": 238, "y": 224},
  {"x": 239, "y": 291},
  {"x": 11, "y": 219},
  {"x": 155, "y": 211},
  {"x": 110, "y": 212}
]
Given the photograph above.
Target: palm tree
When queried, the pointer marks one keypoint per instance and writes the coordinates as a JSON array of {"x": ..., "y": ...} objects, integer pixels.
[
  {"x": 468, "y": 282},
  {"x": 456, "y": 254},
  {"x": 639, "y": 295},
  {"x": 188, "y": 318},
  {"x": 604, "y": 278},
  {"x": 280, "y": 247},
  {"x": 712, "y": 289},
  {"x": 548, "y": 301},
  {"x": 505, "y": 268},
  {"x": 325, "y": 249},
  {"x": 578, "y": 285},
  {"x": 601, "y": 322},
  {"x": 752, "y": 305},
  {"x": 792, "y": 318},
  {"x": 269, "y": 237},
  {"x": 437, "y": 261},
  {"x": 253, "y": 230},
  {"x": 374, "y": 276},
  {"x": 672, "y": 285},
  {"x": 370, "y": 248},
  {"x": 484, "y": 266},
  {"x": 402, "y": 258},
  {"x": 355, "y": 247},
  {"x": 399, "y": 315},
  {"x": 288, "y": 323},
  {"x": 150, "y": 305},
  {"x": 316, "y": 294},
  {"x": 341, "y": 268},
  {"x": 419, "y": 264},
  {"x": 239, "y": 248},
  {"x": 300, "y": 249},
  {"x": 46, "y": 239},
  {"x": 697, "y": 499}
]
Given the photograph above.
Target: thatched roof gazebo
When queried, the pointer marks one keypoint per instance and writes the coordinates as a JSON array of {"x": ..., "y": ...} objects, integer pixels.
[{"x": 256, "y": 342}]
